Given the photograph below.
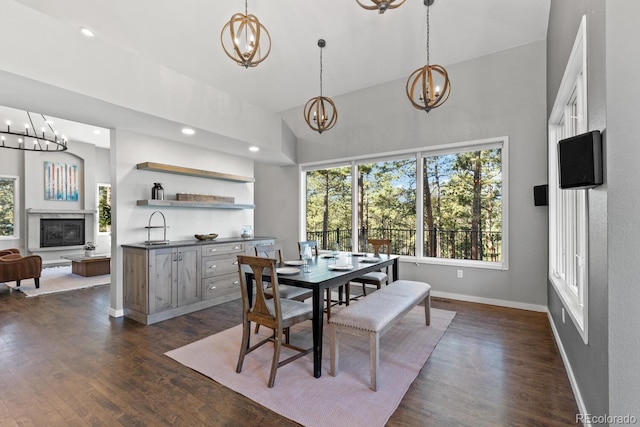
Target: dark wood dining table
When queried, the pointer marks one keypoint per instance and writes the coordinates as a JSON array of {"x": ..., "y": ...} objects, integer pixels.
[{"x": 321, "y": 277}]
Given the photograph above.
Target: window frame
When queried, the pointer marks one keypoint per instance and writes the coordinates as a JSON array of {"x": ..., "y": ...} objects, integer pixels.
[
  {"x": 418, "y": 154},
  {"x": 569, "y": 209},
  {"x": 16, "y": 207}
]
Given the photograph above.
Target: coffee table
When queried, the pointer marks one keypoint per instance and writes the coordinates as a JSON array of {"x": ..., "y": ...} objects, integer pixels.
[{"x": 87, "y": 266}]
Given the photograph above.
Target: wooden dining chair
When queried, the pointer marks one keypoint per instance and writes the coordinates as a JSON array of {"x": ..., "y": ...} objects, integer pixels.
[
  {"x": 375, "y": 278},
  {"x": 343, "y": 288},
  {"x": 276, "y": 313},
  {"x": 286, "y": 291}
]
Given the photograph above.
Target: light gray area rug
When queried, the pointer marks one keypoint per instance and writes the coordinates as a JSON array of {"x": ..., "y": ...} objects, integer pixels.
[
  {"x": 344, "y": 400},
  {"x": 58, "y": 279}
]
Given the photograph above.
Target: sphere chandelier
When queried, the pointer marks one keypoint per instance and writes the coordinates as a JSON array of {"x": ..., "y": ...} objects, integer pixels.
[
  {"x": 428, "y": 87},
  {"x": 382, "y": 5},
  {"x": 320, "y": 112},
  {"x": 241, "y": 38}
]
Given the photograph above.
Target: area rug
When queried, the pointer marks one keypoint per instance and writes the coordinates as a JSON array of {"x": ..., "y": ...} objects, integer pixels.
[
  {"x": 58, "y": 279},
  {"x": 345, "y": 399}
]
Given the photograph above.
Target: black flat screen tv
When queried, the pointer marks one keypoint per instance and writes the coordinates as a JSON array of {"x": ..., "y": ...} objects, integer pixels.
[{"x": 580, "y": 161}]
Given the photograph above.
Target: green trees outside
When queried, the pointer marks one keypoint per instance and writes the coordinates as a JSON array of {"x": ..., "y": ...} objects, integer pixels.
[
  {"x": 462, "y": 205},
  {"x": 7, "y": 206},
  {"x": 104, "y": 208}
]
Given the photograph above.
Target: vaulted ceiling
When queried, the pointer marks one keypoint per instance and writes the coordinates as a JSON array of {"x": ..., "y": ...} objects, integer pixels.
[{"x": 364, "y": 48}]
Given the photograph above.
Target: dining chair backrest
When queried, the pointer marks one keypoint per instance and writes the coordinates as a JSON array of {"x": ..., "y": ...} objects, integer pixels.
[
  {"x": 264, "y": 271},
  {"x": 311, "y": 243},
  {"x": 380, "y": 243},
  {"x": 269, "y": 251}
]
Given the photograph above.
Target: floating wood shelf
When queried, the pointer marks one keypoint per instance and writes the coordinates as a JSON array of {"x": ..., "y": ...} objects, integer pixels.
[
  {"x": 179, "y": 170},
  {"x": 182, "y": 204}
]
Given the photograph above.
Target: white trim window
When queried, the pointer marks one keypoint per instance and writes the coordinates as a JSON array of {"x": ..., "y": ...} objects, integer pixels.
[
  {"x": 444, "y": 204},
  {"x": 9, "y": 208},
  {"x": 568, "y": 209}
]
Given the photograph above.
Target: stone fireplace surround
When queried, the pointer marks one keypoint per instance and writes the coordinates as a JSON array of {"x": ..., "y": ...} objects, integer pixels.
[{"x": 33, "y": 226}]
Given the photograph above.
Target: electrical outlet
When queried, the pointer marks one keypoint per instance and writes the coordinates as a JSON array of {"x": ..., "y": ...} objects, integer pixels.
[
  {"x": 563, "y": 315},
  {"x": 460, "y": 275}
]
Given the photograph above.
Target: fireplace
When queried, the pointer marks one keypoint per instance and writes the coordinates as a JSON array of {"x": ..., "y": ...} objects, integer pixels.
[
  {"x": 61, "y": 232},
  {"x": 63, "y": 238}
]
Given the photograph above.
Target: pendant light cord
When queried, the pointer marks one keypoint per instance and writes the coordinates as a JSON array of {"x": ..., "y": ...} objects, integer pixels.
[
  {"x": 428, "y": 31},
  {"x": 321, "y": 72},
  {"x": 245, "y": 8}
]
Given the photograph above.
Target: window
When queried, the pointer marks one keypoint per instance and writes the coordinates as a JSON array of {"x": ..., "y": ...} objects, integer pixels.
[
  {"x": 463, "y": 205},
  {"x": 9, "y": 207},
  {"x": 328, "y": 206},
  {"x": 454, "y": 216},
  {"x": 386, "y": 205},
  {"x": 569, "y": 215},
  {"x": 104, "y": 208}
]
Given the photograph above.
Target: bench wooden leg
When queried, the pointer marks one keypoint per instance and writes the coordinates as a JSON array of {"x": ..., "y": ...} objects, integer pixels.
[
  {"x": 374, "y": 358},
  {"x": 333, "y": 350},
  {"x": 427, "y": 309}
]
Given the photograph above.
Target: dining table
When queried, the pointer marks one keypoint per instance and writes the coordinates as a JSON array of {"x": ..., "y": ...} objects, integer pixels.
[{"x": 327, "y": 271}]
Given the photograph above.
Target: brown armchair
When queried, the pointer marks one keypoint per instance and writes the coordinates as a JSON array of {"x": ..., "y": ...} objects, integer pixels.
[
  {"x": 4, "y": 252},
  {"x": 15, "y": 267}
]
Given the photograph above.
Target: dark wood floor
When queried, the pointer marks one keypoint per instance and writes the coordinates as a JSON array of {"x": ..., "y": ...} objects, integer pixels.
[{"x": 65, "y": 362}]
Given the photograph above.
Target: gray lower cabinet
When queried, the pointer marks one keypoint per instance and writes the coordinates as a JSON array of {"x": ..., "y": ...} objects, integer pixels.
[{"x": 165, "y": 282}]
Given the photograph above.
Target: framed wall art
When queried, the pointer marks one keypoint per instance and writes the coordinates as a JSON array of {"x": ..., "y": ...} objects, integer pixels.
[{"x": 60, "y": 181}]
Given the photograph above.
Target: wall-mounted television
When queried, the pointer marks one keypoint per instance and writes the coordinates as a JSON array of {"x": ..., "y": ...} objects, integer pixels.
[{"x": 580, "y": 161}]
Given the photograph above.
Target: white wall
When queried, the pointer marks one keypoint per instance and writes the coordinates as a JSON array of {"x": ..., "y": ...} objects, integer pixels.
[
  {"x": 131, "y": 184},
  {"x": 623, "y": 152},
  {"x": 493, "y": 96}
]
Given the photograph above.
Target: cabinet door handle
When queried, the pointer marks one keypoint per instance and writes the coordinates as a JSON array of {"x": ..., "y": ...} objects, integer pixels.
[
  {"x": 213, "y": 266},
  {"x": 212, "y": 288},
  {"x": 236, "y": 247},
  {"x": 179, "y": 256},
  {"x": 236, "y": 283},
  {"x": 235, "y": 263},
  {"x": 212, "y": 250}
]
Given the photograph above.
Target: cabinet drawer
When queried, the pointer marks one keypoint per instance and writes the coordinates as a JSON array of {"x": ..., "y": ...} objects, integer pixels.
[
  {"x": 224, "y": 248},
  {"x": 220, "y": 285},
  {"x": 217, "y": 265}
]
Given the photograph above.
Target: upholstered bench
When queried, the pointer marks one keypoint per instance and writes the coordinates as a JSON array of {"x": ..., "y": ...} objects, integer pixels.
[{"x": 375, "y": 314}]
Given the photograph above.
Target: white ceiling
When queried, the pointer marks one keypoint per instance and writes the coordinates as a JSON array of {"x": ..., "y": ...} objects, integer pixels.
[{"x": 363, "y": 48}]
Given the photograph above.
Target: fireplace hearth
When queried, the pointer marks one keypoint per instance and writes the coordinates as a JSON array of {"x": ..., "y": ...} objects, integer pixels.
[{"x": 61, "y": 232}]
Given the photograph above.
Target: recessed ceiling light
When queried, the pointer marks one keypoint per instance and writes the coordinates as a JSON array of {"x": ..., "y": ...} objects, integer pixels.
[
  {"x": 87, "y": 32},
  {"x": 188, "y": 131},
  {"x": 254, "y": 148},
  {"x": 96, "y": 131}
]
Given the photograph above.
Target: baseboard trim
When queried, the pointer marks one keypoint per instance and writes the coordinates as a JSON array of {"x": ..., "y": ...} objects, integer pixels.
[
  {"x": 491, "y": 301},
  {"x": 116, "y": 313},
  {"x": 567, "y": 367}
]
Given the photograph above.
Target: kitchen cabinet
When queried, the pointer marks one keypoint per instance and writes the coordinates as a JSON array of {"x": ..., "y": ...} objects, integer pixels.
[{"x": 182, "y": 277}]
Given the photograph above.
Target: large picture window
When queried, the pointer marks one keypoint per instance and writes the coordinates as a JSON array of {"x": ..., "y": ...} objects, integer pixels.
[
  {"x": 8, "y": 207},
  {"x": 463, "y": 205},
  {"x": 454, "y": 216},
  {"x": 328, "y": 207}
]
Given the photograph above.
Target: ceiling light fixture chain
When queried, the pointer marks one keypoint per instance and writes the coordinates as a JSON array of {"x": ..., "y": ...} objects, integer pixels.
[
  {"x": 428, "y": 32},
  {"x": 320, "y": 112},
  {"x": 241, "y": 39},
  {"x": 18, "y": 140},
  {"x": 428, "y": 87}
]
